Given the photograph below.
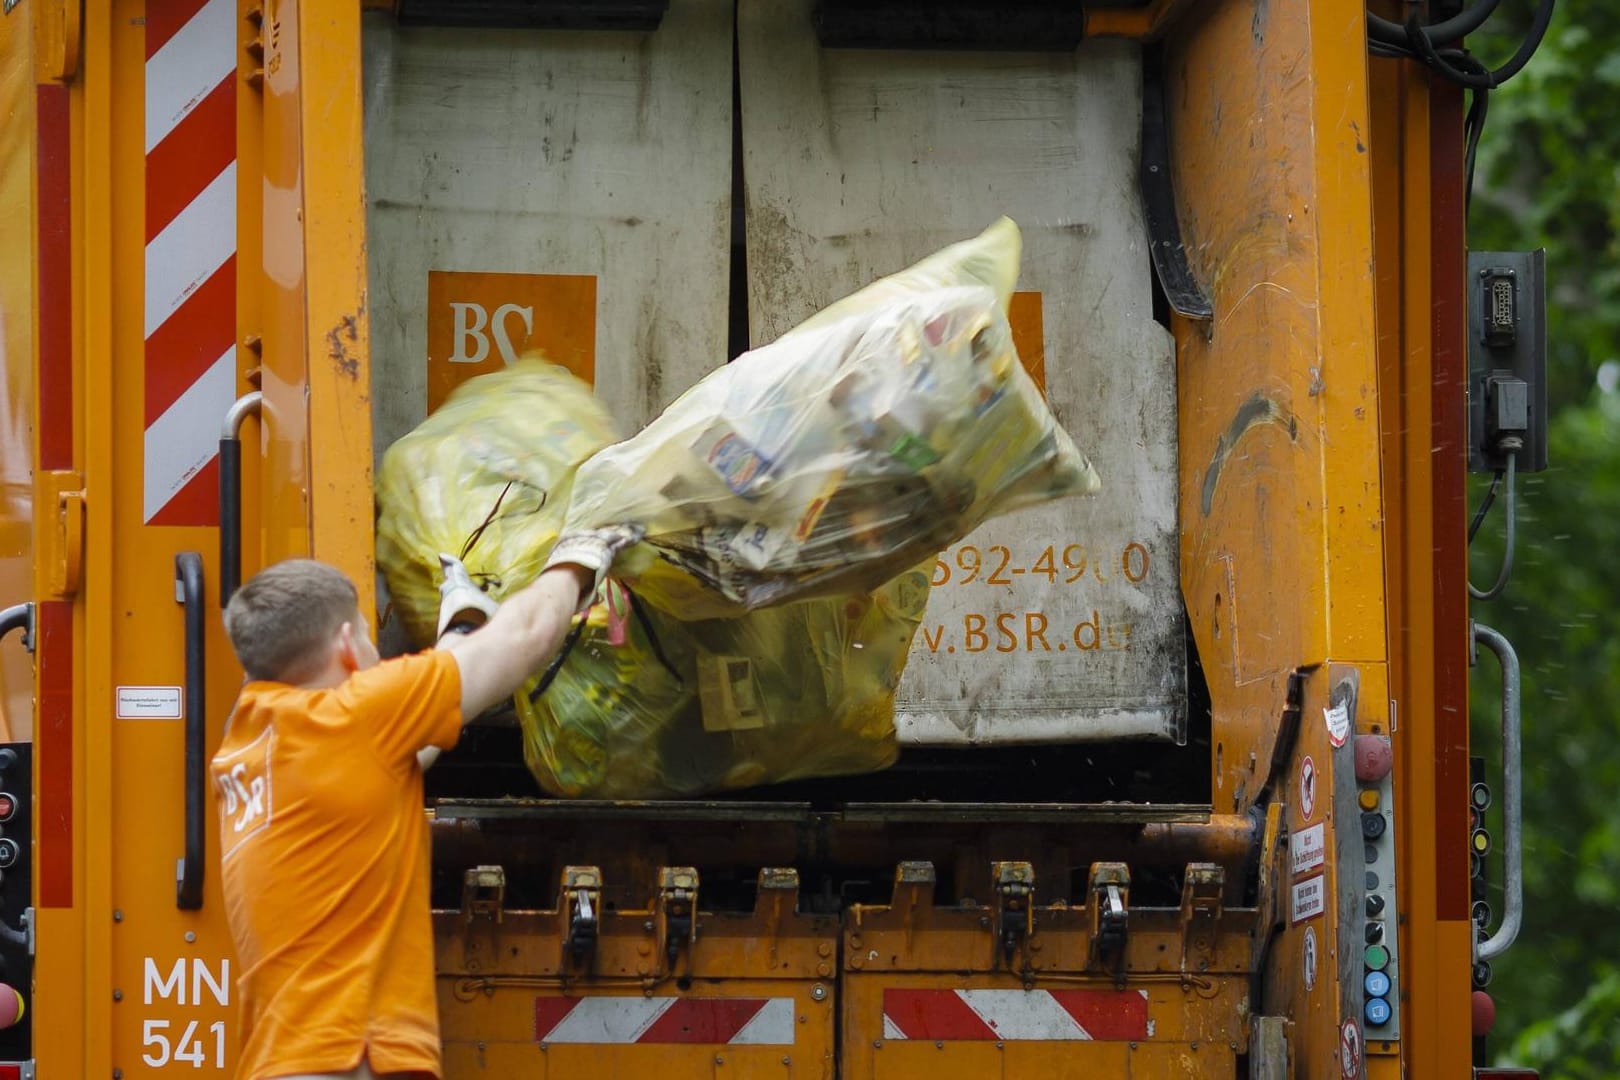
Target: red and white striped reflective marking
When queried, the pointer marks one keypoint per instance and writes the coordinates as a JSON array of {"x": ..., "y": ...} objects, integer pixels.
[
  {"x": 1015, "y": 1015},
  {"x": 735, "y": 1021},
  {"x": 190, "y": 254}
]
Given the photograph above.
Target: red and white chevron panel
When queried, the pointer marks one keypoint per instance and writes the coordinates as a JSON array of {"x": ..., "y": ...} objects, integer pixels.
[
  {"x": 655, "y": 1020},
  {"x": 1011, "y": 1015},
  {"x": 190, "y": 254}
]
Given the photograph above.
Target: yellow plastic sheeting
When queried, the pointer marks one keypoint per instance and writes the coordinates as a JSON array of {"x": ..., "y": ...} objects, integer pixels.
[
  {"x": 488, "y": 475},
  {"x": 860, "y": 443}
]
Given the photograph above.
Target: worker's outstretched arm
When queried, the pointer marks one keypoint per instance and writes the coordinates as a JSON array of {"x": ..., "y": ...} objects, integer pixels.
[{"x": 523, "y": 634}]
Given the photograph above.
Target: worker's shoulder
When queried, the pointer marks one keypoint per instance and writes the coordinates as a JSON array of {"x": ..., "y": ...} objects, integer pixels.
[{"x": 409, "y": 675}]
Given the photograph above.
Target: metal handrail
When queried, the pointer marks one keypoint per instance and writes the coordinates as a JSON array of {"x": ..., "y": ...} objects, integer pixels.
[{"x": 1512, "y": 814}]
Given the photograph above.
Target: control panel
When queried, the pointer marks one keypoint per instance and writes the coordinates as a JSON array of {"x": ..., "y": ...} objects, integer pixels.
[
  {"x": 1380, "y": 945},
  {"x": 16, "y": 916}
]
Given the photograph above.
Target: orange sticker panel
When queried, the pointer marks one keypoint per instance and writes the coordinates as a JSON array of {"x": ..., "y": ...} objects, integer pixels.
[
  {"x": 480, "y": 322},
  {"x": 1029, "y": 335}
]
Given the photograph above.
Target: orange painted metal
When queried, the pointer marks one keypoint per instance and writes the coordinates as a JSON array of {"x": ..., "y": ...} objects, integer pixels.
[
  {"x": 336, "y": 340},
  {"x": 17, "y": 401},
  {"x": 1435, "y": 952}
]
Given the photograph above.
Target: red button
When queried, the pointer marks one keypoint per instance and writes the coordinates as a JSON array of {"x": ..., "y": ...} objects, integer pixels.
[{"x": 8, "y": 806}]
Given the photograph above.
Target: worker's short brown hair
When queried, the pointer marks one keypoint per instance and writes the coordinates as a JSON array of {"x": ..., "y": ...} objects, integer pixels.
[{"x": 285, "y": 615}]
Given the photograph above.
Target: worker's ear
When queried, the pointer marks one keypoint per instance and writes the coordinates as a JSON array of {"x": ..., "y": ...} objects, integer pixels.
[{"x": 347, "y": 648}]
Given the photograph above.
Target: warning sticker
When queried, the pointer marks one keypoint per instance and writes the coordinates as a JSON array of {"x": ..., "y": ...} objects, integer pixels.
[
  {"x": 1309, "y": 847},
  {"x": 1350, "y": 1049},
  {"x": 1309, "y": 957},
  {"x": 1309, "y": 899},
  {"x": 1307, "y": 788},
  {"x": 148, "y": 703},
  {"x": 1338, "y": 724}
]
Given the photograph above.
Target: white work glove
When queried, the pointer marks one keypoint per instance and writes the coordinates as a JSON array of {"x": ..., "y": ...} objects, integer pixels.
[
  {"x": 463, "y": 606},
  {"x": 594, "y": 550}
]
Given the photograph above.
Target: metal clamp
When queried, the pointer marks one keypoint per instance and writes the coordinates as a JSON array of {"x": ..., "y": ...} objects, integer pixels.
[
  {"x": 1110, "y": 891},
  {"x": 676, "y": 916},
  {"x": 1512, "y": 814},
  {"x": 581, "y": 903}
]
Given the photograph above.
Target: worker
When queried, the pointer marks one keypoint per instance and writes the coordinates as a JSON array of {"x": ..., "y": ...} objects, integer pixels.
[{"x": 324, "y": 841}]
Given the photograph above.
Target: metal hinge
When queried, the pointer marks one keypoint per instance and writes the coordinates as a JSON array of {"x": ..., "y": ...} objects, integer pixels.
[{"x": 1201, "y": 891}]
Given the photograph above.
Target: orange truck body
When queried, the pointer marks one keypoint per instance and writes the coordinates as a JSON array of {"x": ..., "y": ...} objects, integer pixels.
[{"x": 1319, "y": 511}]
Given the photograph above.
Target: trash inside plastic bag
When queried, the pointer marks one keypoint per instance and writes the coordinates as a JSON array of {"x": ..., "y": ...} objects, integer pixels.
[
  {"x": 859, "y": 444},
  {"x": 642, "y": 705},
  {"x": 648, "y": 706},
  {"x": 488, "y": 477}
]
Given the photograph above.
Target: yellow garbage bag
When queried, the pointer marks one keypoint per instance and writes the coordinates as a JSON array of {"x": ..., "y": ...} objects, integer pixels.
[
  {"x": 859, "y": 444},
  {"x": 646, "y": 706},
  {"x": 487, "y": 477}
]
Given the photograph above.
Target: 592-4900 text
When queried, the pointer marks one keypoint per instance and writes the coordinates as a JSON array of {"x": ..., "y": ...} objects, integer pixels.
[{"x": 1070, "y": 564}]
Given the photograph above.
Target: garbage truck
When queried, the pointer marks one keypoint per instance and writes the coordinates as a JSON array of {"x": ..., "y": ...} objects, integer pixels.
[{"x": 1186, "y": 784}]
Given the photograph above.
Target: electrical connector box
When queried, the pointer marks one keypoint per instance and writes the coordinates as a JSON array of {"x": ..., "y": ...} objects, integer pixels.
[{"x": 1507, "y": 360}]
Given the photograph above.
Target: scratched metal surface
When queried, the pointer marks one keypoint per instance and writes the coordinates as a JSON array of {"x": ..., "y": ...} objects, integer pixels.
[
  {"x": 858, "y": 162},
  {"x": 534, "y": 152}
]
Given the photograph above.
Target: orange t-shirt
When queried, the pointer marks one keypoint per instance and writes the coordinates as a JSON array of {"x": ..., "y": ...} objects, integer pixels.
[{"x": 325, "y": 867}]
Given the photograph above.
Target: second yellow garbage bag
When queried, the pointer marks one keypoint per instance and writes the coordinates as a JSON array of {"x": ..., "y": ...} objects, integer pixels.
[{"x": 648, "y": 706}]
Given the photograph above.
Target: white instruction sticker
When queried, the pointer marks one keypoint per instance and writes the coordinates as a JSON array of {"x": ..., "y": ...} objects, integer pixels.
[
  {"x": 1338, "y": 723},
  {"x": 1309, "y": 847},
  {"x": 149, "y": 703},
  {"x": 1309, "y": 899}
]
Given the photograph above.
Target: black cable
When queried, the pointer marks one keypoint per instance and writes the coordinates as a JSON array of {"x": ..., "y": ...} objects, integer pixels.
[
  {"x": 1484, "y": 506},
  {"x": 1508, "y": 541},
  {"x": 1474, "y": 125},
  {"x": 1421, "y": 44},
  {"x": 1452, "y": 29}
]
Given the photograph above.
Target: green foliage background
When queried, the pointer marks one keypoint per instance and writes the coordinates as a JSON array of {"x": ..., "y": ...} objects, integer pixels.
[{"x": 1549, "y": 176}]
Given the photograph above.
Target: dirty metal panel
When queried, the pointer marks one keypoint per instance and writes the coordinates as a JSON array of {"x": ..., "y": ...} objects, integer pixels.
[
  {"x": 1061, "y": 623},
  {"x": 963, "y": 1025},
  {"x": 734, "y": 1028},
  {"x": 567, "y": 191}
]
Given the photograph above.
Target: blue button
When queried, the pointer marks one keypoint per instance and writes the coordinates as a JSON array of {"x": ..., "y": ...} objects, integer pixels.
[
  {"x": 1377, "y": 984},
  {"x": 1377, "y": 1012}
]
